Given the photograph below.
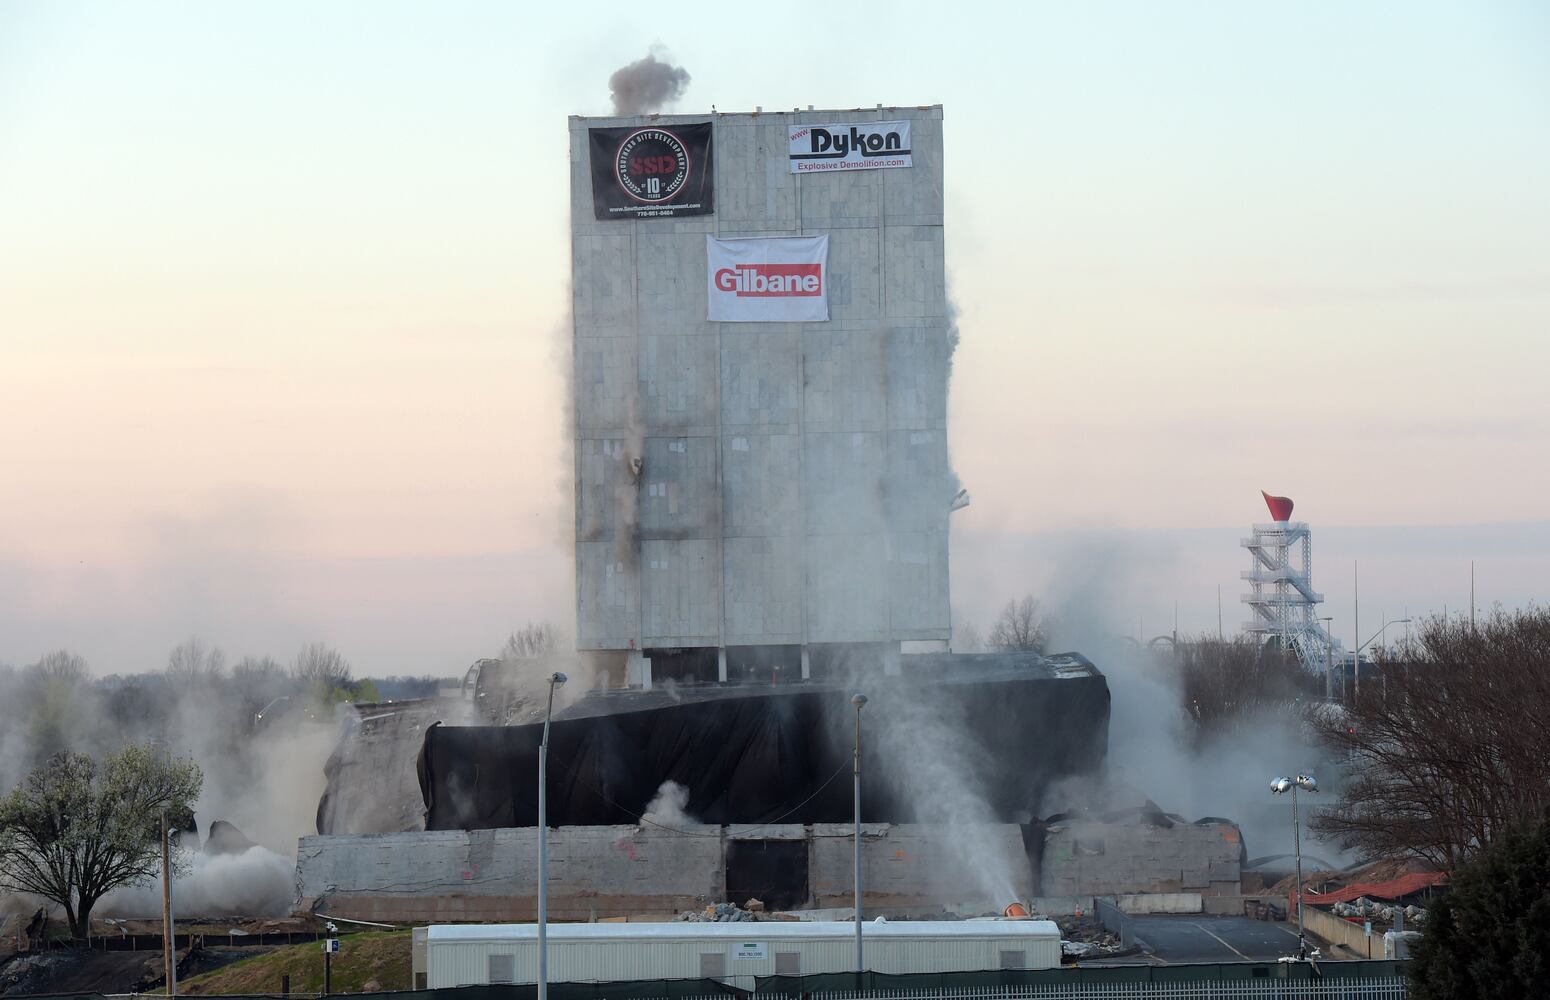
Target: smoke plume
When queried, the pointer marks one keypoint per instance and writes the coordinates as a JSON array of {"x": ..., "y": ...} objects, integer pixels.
[
  {"x": 669, "y": 807},
  {"x": 646, "y": 85}
]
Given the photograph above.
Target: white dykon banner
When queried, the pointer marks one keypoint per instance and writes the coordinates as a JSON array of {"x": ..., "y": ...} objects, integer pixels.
[
  {"x": 780, "y": 280},
  {"x": 863, "y": 146}
]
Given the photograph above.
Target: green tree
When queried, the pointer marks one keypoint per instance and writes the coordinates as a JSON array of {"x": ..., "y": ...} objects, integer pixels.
[
  {"x": 1490, "y": 936},
  {"x": 76, "y": 828}
]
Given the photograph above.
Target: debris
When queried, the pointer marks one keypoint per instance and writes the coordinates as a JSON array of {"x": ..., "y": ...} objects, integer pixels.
[
  {"x": 1085, "y": 937},
  {"x": 754, "y": 906},
  {"x": 723, "y": 913}
]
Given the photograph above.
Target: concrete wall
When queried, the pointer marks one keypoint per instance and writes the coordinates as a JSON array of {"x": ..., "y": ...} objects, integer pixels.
[
  {"x": 1116, "y": 859},
  {"x": 492, "y": 875},
  {"x": 906, "y": 865},
  {"x": 1337, "y": 930},
  {"x": 617, "y": 871},
  {"x": 795, "y": 479}
]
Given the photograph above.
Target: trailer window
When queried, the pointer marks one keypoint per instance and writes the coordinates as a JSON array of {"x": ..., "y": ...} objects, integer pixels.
[
  {"x": 788, "y": 963},
  {"x": 503, "y": 969},
  {"x": 1014, "y": 960},
  {"x": 713, "y": 965}
]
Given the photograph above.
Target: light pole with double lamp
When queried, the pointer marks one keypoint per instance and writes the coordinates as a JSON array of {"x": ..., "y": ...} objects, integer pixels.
[
  {"x": 1280, "y": 786},
  {"x": 555, "y": 680}
]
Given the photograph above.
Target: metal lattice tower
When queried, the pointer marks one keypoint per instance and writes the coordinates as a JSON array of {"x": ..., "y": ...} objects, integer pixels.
[{"x": 1281, "y": 593}]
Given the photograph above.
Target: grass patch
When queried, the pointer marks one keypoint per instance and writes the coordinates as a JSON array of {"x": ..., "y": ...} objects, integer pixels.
[{"x": 380, "y": 955}]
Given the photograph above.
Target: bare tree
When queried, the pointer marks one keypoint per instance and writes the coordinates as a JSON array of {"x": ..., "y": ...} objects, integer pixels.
[
  {"x": 967, "y": 638},
  {"x": 61, "y": 667},
  {"x": 319, "y": 663},
  {"x": 191, "y": 663},
  {"x": 1450, "y": 746},
  {"x": 1227, "y": 683},
  {"x": 530, "y": 642},
  {"x": 1019, "y": 627},
  {"x": 258, "y": 680},
  {"x": 75, "y": 829}
]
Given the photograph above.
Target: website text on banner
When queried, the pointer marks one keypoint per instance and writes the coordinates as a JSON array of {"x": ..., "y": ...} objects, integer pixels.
[
  {"x": 778, "y": 280},
  {"x": 867, "y": 146}
]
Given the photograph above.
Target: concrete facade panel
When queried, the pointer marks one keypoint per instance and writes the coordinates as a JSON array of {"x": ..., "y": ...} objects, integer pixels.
[
  {"x": 762, "y": 484},
  {"x": 678, "y": 493},
  {"x": 763, "y": 590},
  {"x": 845, "y": 602},
  {"x": 917, "y": 377},
  {"x": 918, "y": 599},
  {"x": 605, "y": 386},
  {"x": 670, "y": 283},
  {"x": 914, "y": 286},
  {"x": 855, "y": 291},
  {"x": 761, "y": 380},
  {"x": 605, "y": 296},
  {"x": 608, "y": 595},
  {"x": 844, "y": 370},
  {"x": 600, "y": 476},
  {"x": 678, "y": 383},
  {"x": 680, "y": 592},
  {"x": 843, "y": 476}
]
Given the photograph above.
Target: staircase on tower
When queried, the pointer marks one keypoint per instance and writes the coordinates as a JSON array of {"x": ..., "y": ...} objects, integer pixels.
[{"x": 1281, "y": 594}]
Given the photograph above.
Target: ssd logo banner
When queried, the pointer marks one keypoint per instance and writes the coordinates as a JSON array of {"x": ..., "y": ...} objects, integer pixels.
[
  {"x": 651, "y": 173},
  {"x": 782, "y": 280},
  {"x": 867, "y": 146}
]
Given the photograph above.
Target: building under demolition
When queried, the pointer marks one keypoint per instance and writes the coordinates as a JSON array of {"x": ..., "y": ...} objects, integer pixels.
[
  {"x": 762, "y": 503},
  {"x": 761, "y": 357}
]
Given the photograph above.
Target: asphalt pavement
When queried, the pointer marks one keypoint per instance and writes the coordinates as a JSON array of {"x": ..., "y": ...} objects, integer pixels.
[{"x": 1171, "y": 939}]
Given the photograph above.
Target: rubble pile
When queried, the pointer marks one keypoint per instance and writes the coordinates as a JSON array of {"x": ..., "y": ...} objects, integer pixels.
[
  {"x": 1085, "y": 937},
  {"x": 1371, "y": 909},
  {"x": 725, "y": 913}
]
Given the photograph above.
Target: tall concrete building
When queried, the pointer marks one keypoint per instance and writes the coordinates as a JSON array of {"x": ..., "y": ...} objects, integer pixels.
[{"x": 760, "y": 380}]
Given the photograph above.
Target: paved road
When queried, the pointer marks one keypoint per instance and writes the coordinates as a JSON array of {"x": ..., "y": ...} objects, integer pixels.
[{"x": 1176, "y": 939}]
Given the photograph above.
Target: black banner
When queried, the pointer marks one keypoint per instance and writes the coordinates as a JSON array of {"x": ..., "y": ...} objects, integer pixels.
[{"x": 652, "y": 172}]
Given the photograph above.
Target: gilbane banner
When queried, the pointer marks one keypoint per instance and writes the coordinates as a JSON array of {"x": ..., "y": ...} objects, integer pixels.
[
  {"x": 867, "y": 146},
  {"x": 783, "y": 280}
]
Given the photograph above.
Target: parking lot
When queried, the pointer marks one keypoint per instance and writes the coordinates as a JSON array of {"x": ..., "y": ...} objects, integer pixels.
[{"x": 1182, "y": 939}]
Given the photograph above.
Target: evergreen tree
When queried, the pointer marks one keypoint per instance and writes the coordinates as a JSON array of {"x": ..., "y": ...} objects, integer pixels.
[{"x": 1490, "y": 936}]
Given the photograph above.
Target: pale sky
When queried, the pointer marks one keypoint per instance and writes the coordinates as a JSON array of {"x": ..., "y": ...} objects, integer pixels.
[{"x": 283, "y": 293}]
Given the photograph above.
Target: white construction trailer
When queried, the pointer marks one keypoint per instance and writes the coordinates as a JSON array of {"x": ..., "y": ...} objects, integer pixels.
[{"x": 734, "y": 953}]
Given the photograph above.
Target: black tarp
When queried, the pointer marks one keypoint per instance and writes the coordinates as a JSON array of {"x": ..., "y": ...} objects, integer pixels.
[{"x": 752, "y": 755}]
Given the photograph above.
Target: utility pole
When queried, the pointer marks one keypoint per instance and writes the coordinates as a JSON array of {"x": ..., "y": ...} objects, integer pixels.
[
  {"x": 858, "y": 700},
  {"x": 1220, "y": 636},
  {"x": 169, "y": 949},
  {"x": 1471, "y": 597},
  {"x": 1356, "y": 633}
]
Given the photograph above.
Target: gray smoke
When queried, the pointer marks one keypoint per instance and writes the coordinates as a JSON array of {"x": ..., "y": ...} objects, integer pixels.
[{"x": 647, "y": 85}]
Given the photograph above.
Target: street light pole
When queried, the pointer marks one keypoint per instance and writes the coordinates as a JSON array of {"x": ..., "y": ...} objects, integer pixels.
[
  {"x": 1280, "y": 785},
  {"x": 555, "y": 680},
  {"x": 858, "y": 701},
  {"x": 1329, "y": 660}
]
